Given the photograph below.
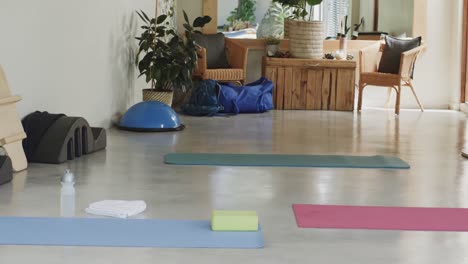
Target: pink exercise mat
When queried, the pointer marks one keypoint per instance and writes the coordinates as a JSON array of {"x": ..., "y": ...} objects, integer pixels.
[{"x": 381, "y": 218}]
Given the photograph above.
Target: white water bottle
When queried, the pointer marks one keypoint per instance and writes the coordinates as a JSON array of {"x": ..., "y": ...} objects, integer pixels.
[{"x": 67, "y": 195}]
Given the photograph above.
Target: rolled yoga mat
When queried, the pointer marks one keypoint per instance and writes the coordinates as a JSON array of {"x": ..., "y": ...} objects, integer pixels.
[
  {"x": 107, "y": 232},
  {"x": 381, "y": 218},
  {"x": 272, "y": 160}
]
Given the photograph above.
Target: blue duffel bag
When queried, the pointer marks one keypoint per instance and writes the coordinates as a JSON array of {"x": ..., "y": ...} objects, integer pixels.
[
  {"x": 204, "y": 99},
  {"x": 256, "y": 97}
]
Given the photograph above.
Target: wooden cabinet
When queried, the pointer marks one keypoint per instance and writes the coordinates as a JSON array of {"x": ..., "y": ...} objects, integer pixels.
[{"x": 303, "y": 84}]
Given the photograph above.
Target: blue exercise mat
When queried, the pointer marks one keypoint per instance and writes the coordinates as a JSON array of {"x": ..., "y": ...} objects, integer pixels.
[
  {"x": 107, "y": 232},
  {"x": 271, "y": 160}
]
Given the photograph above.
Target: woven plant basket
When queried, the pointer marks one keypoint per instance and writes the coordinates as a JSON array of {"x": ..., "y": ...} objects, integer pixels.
[
  {"x": 286, "y": 28},
  {"x": 152, "y": 95},
  {"x": 306, "y": 39}
]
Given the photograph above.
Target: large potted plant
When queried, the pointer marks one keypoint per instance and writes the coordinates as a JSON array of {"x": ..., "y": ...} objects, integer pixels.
[
  {"x": 305, "y": 33},
  {"x": 166, "y": 58},
  {"x": 273, "y": 23}
]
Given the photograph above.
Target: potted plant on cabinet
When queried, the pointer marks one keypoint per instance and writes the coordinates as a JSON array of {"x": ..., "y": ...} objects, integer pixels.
[
  {"x": 342, "y": 36},
  {"x": 305, "y": 34},
  {"x": 165, "y": 57},
  {"x": 273, "y": 21},
  {"x": 272, "y": 45}
]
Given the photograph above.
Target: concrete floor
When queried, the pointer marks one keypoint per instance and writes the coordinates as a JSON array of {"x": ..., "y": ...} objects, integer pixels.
[{"x": 132, "y": 168}]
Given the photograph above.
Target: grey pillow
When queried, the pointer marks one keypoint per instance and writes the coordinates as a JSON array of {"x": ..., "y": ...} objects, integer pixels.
[
  {"x": 391, "y": 56},
  {"x": 215, "y": 50}
]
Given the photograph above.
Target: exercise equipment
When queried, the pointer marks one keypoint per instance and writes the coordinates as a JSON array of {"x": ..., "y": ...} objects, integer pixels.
[
  {"x": 65, "y": 139},
  {"x": 271, "y": 160},
  {"x": 381, "y": 218},
  {"x": 150, "y": 116},
  {"x": 11, "y": 130},
  {"x": 6, "y": 170},
  {"x": 234, "y": 221},
  {"x": 111, "y": 232}
]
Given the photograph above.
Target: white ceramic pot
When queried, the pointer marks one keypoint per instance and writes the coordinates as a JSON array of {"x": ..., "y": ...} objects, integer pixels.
[{"x": 272, "y": 50}]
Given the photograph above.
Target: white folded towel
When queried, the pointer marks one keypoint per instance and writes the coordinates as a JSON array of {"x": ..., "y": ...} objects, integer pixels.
[{"x": 116, "y": 208}]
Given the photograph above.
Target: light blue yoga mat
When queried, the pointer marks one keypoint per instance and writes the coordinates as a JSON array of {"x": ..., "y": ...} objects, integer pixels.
[
  {"x": 271, "y": 160},
  {"x": 107, "y": 232}
]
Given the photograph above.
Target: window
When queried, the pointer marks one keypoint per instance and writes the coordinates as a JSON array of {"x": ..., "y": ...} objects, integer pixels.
[{"x": 335, "y": 10}]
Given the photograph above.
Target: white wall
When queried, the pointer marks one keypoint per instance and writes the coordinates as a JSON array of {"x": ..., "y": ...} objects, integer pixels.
[
  {"x": 366, "y": 10},
  {"x": 224, "y": 10},
  {"x": 455, "y": 64},
  {"x": 355, "y": 11},
  {"x": 72, "y": 56},
  {"x": 396, "y": 17},
  {"x": 262, "y": 8},
  {"x": 437, "y": 74},
  {"x": 193, "y": 8}
]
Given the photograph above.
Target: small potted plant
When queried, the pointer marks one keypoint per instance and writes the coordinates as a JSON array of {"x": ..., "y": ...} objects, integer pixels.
[
  {"x": 272, "y": 45},
  {"x": 343, "y": 38},
  {"x": 166, "y": 58}
]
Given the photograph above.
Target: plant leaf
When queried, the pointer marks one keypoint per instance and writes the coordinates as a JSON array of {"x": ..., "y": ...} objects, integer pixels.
[
  {"x": 157, "y": 73},
  {"x": 161, "y": 19},
  {"x": 141, "y": 16},
  {"x": 314, "y": 2},
  {"x": 186, "y": 17},
  {"x": 141, "y": 74},
  {"x": 148, "y": 78},
  {"x": 188, "y": 27},
  {"x": 198, "y": 22},
  {"x": 147, "y": 18},
  {"x": 207, "y": 19}
]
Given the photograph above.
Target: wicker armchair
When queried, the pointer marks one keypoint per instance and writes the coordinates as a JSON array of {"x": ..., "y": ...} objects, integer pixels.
[
  {"x": 369, "y": 59},
  {"x": 237, "y": 58},
  {"x": 11, "y": 130}
]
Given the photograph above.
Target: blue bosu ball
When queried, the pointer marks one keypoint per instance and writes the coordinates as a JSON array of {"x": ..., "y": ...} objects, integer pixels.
[{"x": 150, "y": 116}]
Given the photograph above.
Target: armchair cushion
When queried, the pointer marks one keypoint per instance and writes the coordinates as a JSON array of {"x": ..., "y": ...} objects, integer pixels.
[
  {"x": 391, "y": 55},
  {"x": 215, "y": 50}
]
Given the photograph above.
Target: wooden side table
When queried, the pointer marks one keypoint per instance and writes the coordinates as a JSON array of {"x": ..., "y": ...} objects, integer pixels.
[{"x": 304, "y": 84}]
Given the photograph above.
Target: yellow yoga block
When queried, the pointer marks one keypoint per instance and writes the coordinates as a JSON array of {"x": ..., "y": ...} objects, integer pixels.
[{"x": 234, "y": 221}]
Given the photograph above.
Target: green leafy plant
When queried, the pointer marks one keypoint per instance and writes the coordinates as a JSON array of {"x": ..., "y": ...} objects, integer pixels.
[
  {"x": 245, "y": 12},
  {"x": 165, "y": 57},
  {"x": 273, "y": 21},
  {"x": 238, "y": 25},
  {"x": 344, "y": 28},
  {"x": 272, "y": 40},
  {"x": 358, "y": 26},
  {"x": 301, "y": 8}
]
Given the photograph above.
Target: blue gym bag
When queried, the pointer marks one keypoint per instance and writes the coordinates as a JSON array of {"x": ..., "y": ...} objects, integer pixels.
[
  {"x": 204, "y": 99},
  {"x": 256, "y": 97}
]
